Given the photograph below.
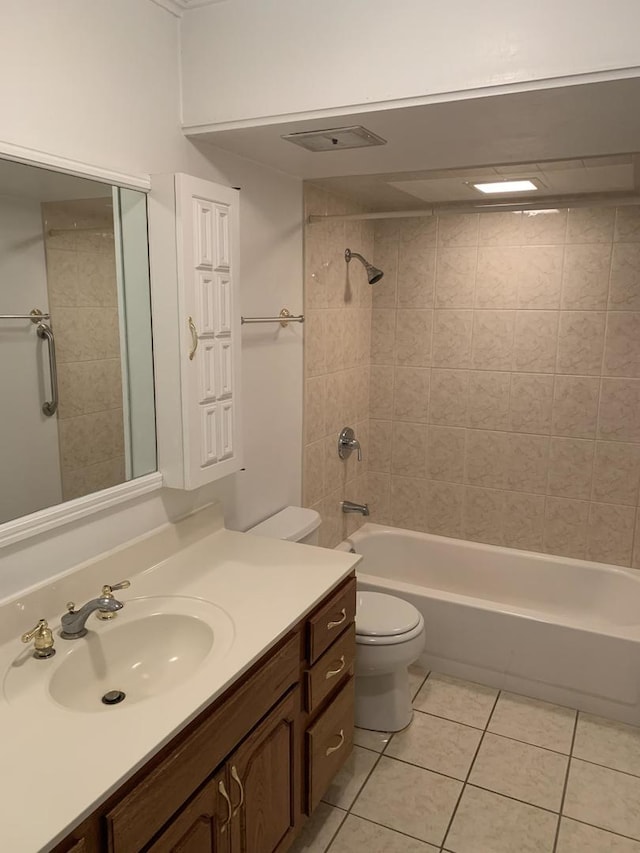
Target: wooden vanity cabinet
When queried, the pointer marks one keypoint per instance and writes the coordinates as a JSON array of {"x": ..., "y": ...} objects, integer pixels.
[{"x": 243, "y": 776}]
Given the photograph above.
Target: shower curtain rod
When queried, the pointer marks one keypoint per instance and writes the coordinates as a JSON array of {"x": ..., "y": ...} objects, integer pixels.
[{"x": 548, "y": 203}]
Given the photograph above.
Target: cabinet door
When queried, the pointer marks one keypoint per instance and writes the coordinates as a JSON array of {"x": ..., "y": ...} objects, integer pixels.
[
  {"x": 202, "y": 826},
  {"x": 264, "y": 780},
  {"x": 207, "y": 248}
]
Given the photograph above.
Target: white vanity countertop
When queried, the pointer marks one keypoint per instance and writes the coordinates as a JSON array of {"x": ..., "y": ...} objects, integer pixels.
[{"x": 59, "y": 764}]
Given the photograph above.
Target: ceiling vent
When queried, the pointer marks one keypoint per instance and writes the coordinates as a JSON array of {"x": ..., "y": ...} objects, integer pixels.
[{"x": 335, "y": 138}]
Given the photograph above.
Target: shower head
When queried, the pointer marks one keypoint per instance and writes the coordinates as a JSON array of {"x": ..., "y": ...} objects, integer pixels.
[{"x": 373, "y": 273}]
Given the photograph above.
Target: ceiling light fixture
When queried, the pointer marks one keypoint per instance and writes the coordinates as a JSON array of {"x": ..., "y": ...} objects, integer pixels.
[{"x": 498, "y": 187}]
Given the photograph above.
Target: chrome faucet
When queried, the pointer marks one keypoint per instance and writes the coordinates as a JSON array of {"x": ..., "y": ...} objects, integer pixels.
[
  {"x": 349, "y": 506},
  {"x": 347, "y": 442},
  {"x": 73, "y": 622}
]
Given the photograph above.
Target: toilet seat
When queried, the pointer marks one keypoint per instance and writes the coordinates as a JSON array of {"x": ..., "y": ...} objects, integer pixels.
[{"x": 385, "y": 620}]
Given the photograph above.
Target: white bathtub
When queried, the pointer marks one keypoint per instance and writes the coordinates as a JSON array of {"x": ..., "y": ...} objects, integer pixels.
[{"x": 558, "y": 629}]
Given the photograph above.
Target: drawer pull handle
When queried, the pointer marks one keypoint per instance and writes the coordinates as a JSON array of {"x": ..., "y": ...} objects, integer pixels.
[
  {"x": 340, "y": 621},
  {"x": 236, "y": 779},
  {"x": 223, "y": 791},
  {"x": 333, "y": 672},
  {"x": 331, "y": 749}
]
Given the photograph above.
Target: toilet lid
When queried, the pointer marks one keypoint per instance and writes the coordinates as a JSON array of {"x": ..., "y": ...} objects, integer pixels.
[{"x": 380, "y": 615}]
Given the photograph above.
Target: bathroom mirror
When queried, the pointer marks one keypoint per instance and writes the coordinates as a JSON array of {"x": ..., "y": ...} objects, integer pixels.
[{"x": 76, "y": 364}]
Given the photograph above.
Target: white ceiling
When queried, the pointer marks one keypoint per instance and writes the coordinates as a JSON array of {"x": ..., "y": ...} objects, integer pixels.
[{"x": 580, "y": 121}]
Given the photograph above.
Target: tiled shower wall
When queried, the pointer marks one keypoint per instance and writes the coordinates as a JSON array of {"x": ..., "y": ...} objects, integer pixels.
[
  {"x": 81, "y": 281},
  {"x": 336, "y": 354},
  {"x": 505, "y": 380}
]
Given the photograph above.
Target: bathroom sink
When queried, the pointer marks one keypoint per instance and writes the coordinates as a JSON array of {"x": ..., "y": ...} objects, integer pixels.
[{"x": 153, "y": 646}]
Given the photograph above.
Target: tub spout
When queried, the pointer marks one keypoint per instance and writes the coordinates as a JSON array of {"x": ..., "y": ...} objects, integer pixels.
[{"x": 349, "y": 506}]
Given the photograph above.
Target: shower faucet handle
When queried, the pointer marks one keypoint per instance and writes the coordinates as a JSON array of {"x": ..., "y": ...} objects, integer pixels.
[{"x": 347, "y": 443}]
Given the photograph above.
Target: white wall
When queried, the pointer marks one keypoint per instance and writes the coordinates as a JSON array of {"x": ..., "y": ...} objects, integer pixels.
[
  {"x": 98, "y": 82},
  {"x": 282, "y": 57},
  {"x": 29, "y": 457}
]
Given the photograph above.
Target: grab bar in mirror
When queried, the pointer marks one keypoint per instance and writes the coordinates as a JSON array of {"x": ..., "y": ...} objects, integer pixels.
[
  {"x": 35, "y": 316},
  {"x": 44, "y": 332}
]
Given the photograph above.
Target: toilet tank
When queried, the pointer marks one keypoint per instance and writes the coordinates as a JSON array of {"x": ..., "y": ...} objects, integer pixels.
[{"x": 293, "y": 523}]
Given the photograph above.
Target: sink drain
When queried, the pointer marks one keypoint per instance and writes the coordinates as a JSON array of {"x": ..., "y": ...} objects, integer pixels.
[{"x": 113, "y": 697}]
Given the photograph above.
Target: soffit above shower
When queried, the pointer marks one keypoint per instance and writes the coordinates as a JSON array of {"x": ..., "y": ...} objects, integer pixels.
[{"x": 567, "y": 122}]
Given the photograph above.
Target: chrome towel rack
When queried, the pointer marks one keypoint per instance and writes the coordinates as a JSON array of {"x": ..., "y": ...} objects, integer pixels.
[
  {"x": 44, "y": 332},
  {"x": 284, "y": 318}
]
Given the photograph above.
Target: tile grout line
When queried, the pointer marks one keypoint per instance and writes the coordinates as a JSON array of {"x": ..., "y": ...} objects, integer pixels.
[
  {"x": 466, "y": 779},
  {"x": 566, "y": 783}
]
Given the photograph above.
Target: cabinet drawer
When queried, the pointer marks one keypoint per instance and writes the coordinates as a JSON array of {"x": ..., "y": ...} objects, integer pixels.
[
  {"x": 326, "y": 625},
  {"x": 332, "y": 668},
  {"x": 145, "y": 810},
  {"x": 329, "y": 743}
]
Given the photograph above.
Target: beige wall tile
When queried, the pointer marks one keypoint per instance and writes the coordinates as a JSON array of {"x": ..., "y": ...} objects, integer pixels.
[
  {"x": 350, "y": 338},
  {"x": 622, "y": 344},
  {"x": 619, "y": 413},
  {"x": 314, "y": 408},
  {"x": 334, "y": 468},
  {"x": 331, "y": 532},
  {"x": 334, "y": 321},
  {"x": 624, "y": 293},
  {"x": 452, "y": 338},
  {"x": 383, "y": 335},
  {"x": 544, "y": 228},
  {"x": 379, "y": 486},
  {"x": 445, "y": 456},
  {"x": 360, "y": 391},
  {"x": 363, "y": 332},
  {"x": 62, "y": 277},
  {"x": 489, "y": 399},
  {"x": 411, "y": 394},
  {"x": 381, "y": 392},
  {"x": 484, "y": 458},
  {"x": 527, "y": 459},
  {"x": 356, "y": 490},
  {"x": 408, "y": 503},
  {"x": 581, "y": 342},
  {"x": 456, "y": 277},
  {"x": 96, "y": 282},
  {"x": 483, "y": 515},
  {"x": 500, "y": 229},
  {"x": 416, "y": 276},
  {"x": 523, "y": 525},
  {"x": 444, "y": 509},
  {"x": 536, "y": 341},
  {"x": 313, "y": 473},
  {"x": 93, "y": 478},
  {"x": 338, "y": 403},
  {"x": 89, "y": 386},
  {"x": 88, "y": 439},
  {"x": 585, "y": 280},
  {"x": 530, "y": 402},
  {"x": 380, "y": 446},
  {"x": 497, "y": 277},
  {"x": 616, "y": 472},
  {"x": 493, "y": 333},
  {"x": 610, "y": 533},
  {"x": 409, "y": 449},
  {"x": 385, "y": 257},
  {"x": 565, "y": 527},
  {"x": 540, "y": 276},
  {"x": 417, "y": 234},
  {"x": 80, "y": 338},
  {"x": 315, "y": 343},
  {"x": 458, "y": 230},
  {"x": 570, "y": 467},
  {"x": 627, "y": 227},
  {"x": 413, "y": 337},
  {"x": 575, "y": 406},
  {"x": 590, "y": 225},
  {"x": 448, "y": 397}
]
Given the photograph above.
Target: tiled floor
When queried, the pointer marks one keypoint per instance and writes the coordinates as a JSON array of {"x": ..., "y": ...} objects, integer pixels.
[{"x": 481, "y": 771}]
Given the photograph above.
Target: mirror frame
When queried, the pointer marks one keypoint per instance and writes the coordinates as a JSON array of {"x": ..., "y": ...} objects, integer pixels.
[{"x": 60, "y": 514}]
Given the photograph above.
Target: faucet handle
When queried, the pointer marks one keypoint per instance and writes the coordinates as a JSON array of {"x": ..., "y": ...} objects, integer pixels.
[
  {"x": 43, "y": 637},
  {"x": 71, "y": 606},
  {"x": 108, "y": 589}
]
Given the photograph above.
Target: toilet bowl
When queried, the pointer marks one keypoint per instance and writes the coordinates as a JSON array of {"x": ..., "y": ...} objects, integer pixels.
[{"x": 390, "y": 635}]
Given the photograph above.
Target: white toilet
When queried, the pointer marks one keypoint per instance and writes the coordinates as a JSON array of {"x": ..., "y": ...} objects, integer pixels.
[{"x": 390, "y": 635}]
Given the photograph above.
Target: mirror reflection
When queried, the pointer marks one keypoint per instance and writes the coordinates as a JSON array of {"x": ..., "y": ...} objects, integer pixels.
[{"x": 76, "y": 368}]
